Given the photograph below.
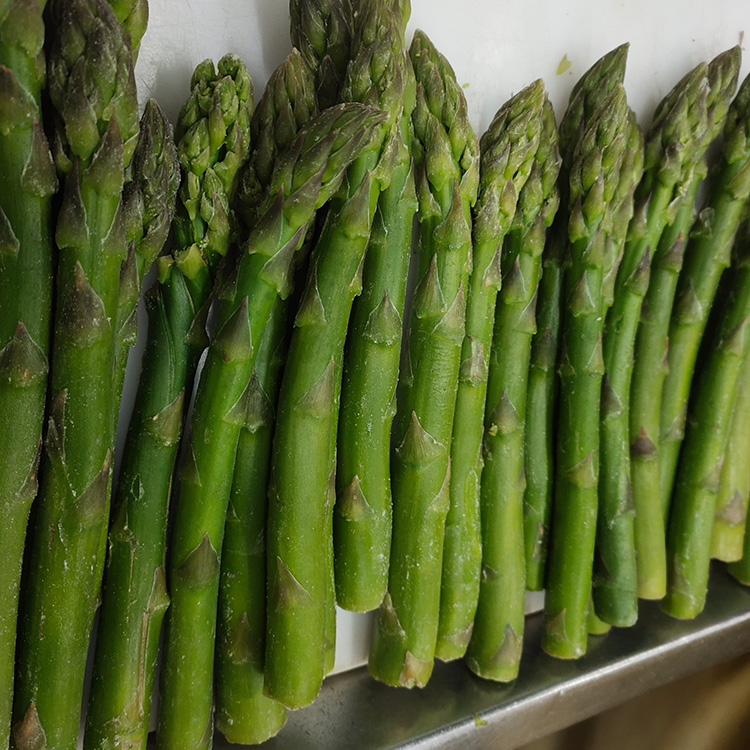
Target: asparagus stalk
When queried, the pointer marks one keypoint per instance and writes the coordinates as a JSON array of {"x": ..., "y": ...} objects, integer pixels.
[
  {"x": 362, "y": 513},
  {"x": 507, "y": 152},
  {"x": 649, "y": 359},
  {"x": 446, "y": 163},
  {"x": 311, "y": 169},
  {"x": 26, "y": 259},
  {"x": 702, "y": 456},
  {"x": 213, "y": 143},
  {"x": 540, "y": 440},
  {"x": 707, "y": 255},
  {"x": 495, "y": 648},
  {"x": 133, "y": 16},
  {"x": 727, "y": 538},
  {"x": 322, "y": 31},
  {"x": 243, "y": 713},
  {"x": 672, "y": 149},
  {"x": 594, "y": 179},
  {"x": 92, "y": 89}
]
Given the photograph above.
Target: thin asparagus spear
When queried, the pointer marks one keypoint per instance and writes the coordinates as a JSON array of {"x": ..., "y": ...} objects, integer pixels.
[
  {"x": 213, "y": 143},
  {"x": 26, "y": 262},
  {"x": 311, "y": 169},
  {"x": 507, "y": 152},
  {"x": 672, "y": 149},
  {"x": 322, "y": 31},
  {"x": 495, "y": 648},
  {"x": 362, "y": 513},
  {"x": 649, "y": 359},
  {"x": 594, "y": 179},
  {"x": 447, "y": 166},
  {"x": 694, "y": 505},
  {"x": 730, "y": 519},
  {"x": 92, "y": 89},
  {"x": 706, "y": 256},
  {"x": 243, "y": 713},
  {"x": 540, "y": 442}
]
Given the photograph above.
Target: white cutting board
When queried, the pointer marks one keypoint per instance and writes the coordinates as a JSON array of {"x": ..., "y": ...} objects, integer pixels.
[{"x": 496, "y": 48}]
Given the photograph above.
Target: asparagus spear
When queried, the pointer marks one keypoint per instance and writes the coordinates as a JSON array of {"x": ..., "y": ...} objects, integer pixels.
[
  {"x": 594, "y": 179},
  {"x": 243, "y": 713},
  {"x": 507, "y": 152},
  {"x": 707, "y": 255},
  {"x": 310, "y": 171},
  {"x": 495, "y": 648},
  {"x": 92, "y": 89},
  {"x": 727, "y": 538},
  {"x": 322, "y": 31},
  {"x": 362, "y": 513},
  {"x": 446, "y": 163},
  {"x": 213, "y": 142},
  {"x": 672, "y": 148},
  {"x": 694, "y": 505},
  {"x": 540, "y": 441},
  {"x": 133, "y": 16},
  {"x": 649, "y": 359},
  {"x": 26, "y": 258}
]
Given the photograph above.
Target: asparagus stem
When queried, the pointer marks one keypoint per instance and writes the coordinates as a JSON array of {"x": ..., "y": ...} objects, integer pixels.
[
  {"x": 727, "y": 539},
  {"x": 672, "y": 149},
  {"x": 706, "y": 256},
  {"x": 322, "y": 31},
  {"x": 649, "y": 359},
  {"x": 694, "y": 506},
  {"x": 92, "y": 89},
  {"x": 446, "y": 163},
  {"x": 540, "y": 441},
  {"x": 133, "y": 16},
  {"x": 362, "y": 513},
  {"x": 213, "y": 144},
  {"x": 243, "y": 713},
  {"x": 495, "y": 647},
  {"x": 26, "y": 260},
  {"x": 594, "y": 179}
]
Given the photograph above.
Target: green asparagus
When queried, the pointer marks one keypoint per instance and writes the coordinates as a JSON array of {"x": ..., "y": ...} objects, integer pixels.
[
  {"x": 540, "y": 441},
  {"x": 649, "y": 358},
  {"x": 362, "y": 513},
  {"x": 594, "y": 178},
  {"x": 694, "y": 505},
  {"x": 26, "y": 262},
  {"x": 213, "y": 143},
  {"x": 507, "y": 152},
  {"x": 672, "y": 149},
  {"x": 92, "y": 89},
  {"x": 495, "y": 648},
  {"x": 447, "y": 171},
  {"x": 133, "y": 16},
  {"x": 706, "y": 256}
]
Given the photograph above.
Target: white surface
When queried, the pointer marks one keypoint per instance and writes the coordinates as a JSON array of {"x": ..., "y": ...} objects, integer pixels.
[{"x": 495, "y": 48}]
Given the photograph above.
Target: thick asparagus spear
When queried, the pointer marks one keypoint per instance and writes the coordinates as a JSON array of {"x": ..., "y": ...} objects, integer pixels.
[
  {"x": 706, "y": 256},
  {"x": 243, "y": 713},
  {"x": 672, "y": 149},
  {"x": 507, "y": 152},
  {"x": 447, "y": 166},
  {"x": 649, "y": 358},
  {"x": 540, "y": 441},
  {"x": 26, "y": 261},
  {"x": 594, "y": 179},
  {"x": 730, "y": 519},
  {"x": 133, "y": 16},
  {"x": 694, "y": 505},
  {"x": 495, "y": 648},
  {"x": 92, "y": 89},
  {"x": 362, "y": 513},
  {"x": 213, "y": 142},
  {"x": 311, "y": 169},
  {"x": 322, "y": 31}
]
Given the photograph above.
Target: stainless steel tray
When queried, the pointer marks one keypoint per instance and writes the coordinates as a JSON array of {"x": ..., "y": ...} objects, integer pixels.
[{"x": 459, "y": 710}]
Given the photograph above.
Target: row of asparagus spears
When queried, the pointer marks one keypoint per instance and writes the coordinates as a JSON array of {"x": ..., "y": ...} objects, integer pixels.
[{"x": 559, "y": 400}]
